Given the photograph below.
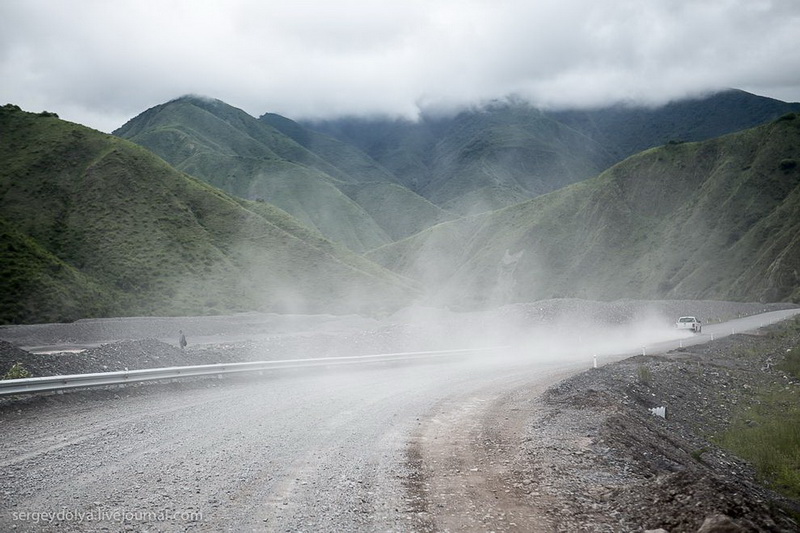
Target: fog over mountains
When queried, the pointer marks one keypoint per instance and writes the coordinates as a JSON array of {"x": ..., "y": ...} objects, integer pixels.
[{"x": 218, "y": 211}]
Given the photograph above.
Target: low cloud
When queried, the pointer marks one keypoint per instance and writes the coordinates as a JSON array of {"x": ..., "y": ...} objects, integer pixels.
[{"x": 100, "y": 63}]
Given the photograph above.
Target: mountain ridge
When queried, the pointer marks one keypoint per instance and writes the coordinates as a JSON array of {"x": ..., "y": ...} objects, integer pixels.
[
  {"x": 508, "y": 151},
  {"x": 252, "y": 159}
]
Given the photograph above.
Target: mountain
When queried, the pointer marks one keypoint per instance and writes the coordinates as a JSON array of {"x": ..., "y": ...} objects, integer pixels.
[
  {"x": 94, "y": 225},
  {"x": 718, "y": 219},
  {"x": 396, "y": 209},
  {"x": 277, "y": 160},
  {"x": 477, "y": 160},
  {"x": 626, "y": 130},
  {"x": 507, "y": 152}
]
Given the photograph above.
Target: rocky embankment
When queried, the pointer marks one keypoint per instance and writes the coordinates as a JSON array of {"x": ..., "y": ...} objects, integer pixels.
[{"x": 596, "y": 452}]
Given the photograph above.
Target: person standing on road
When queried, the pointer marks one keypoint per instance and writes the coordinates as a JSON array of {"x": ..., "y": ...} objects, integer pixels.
[{"x": 182, "y": 339}]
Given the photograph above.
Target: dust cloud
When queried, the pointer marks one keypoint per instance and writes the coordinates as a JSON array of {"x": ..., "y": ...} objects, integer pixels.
[{"x": 547, "y": 331}]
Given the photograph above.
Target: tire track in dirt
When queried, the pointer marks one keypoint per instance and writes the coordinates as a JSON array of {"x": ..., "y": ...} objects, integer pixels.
[{"x": 463, "y": 461}]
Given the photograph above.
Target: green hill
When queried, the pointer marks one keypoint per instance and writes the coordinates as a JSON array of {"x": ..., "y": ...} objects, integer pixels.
[
  {"x": 395, "y": 208},
  {"x": 93, "y": 225},
  {"x": 718, "y": 219},
  {"x": 276, "y": 160}
]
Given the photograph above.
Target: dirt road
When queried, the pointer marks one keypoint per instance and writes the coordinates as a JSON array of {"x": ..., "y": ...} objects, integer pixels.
[
  {"x": 389, "y": 447},
  {"x": 307, "y": 452}
]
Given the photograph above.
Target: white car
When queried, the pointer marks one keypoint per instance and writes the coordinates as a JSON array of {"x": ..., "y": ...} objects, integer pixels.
[{"x": 689, "y": 322}]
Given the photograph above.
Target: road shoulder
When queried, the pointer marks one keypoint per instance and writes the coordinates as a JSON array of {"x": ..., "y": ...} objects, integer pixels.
[{"x": 588, "y": 454}]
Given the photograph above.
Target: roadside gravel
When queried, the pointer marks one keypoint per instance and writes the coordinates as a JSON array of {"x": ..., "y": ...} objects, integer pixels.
[
  {"x": 588, "y": 455},
  {"x": 116, "y": 344}
]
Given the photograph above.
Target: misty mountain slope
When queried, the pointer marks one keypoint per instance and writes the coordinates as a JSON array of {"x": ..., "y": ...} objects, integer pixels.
[
  {"x": 120, "y": 232},
  {"x": 718, "y": 219},
  {"x": 403, "y": 147},
  {"x": 397, "y": 210},
  {"x": 508, "y": 147},
  {"x": 352, "y": 164},
  {"x": 37, "y": 284},
  {"x": 250, "y": 158},
  {"x": 229, "y": 149},
  {"x": 477, "y": 160},
  {"x": 220, "y": 128},
  {"x": 624, "y": 130},
  {"x": 507, "y": 152}
]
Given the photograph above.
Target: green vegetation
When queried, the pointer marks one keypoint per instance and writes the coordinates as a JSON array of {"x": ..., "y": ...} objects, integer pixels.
[
  {"x": 697, "y": 455},
  {"x": 94, "y": 225},
  {"x": 480, "y": 159},
  {"x": 767, "y": 432},
  {"x": 791, "y": 360},
  {"x": 506, "y": 152},
  {"x": 791, "y": 365},
  {"x": 644, "y": 374},
  {"x": 768, "y": 435},
  {"x": 17, "y": 372},
  {"x": 711, "y": 220},
  {"x": 302, "y": 172},
  {"x": 625, "y": 131}
]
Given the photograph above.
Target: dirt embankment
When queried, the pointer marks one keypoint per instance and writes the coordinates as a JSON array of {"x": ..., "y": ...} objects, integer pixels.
[{"x": 588, "y": 454}]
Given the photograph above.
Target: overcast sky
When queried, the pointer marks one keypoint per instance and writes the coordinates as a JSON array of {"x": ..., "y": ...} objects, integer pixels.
[{"x": 101, "y": 62}]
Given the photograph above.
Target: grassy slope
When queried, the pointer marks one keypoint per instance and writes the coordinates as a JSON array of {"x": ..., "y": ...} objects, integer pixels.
[
  {"x": 38, "y": 286},
  {"x": 350, "y": 164},
  {"x": 246, "y": 157},
  {"x": 397, "y": 210},
  {"x": 507, "y": 154},
  {"x": 94, "y": 225},
  {"x": 766, "y": 432},
  {"x": 715, "y": 220}
]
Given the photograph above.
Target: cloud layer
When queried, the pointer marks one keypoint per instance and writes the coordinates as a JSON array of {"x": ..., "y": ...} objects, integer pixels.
[{"x": 100, "y": 63}]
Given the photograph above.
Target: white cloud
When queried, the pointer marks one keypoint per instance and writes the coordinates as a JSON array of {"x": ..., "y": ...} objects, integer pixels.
[{"x": 100, "y": 62}]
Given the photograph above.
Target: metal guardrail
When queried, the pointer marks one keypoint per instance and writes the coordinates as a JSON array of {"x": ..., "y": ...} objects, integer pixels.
[{"x": 75, "y": 381}]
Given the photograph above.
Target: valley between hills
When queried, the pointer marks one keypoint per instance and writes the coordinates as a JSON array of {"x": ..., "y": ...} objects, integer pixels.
[
  {"x": 196, "y": 211},
  {"x": 195, "y": 207}
]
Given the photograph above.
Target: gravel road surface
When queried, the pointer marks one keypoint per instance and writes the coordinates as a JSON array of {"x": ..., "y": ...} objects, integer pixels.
[{"x": 320, "y": 450}]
